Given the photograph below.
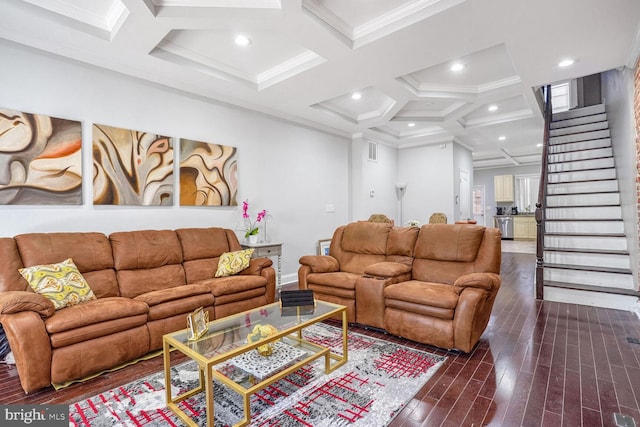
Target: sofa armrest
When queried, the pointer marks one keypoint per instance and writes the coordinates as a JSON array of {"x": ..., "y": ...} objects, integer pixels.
[
  {"x": 321, "y": 263},
  {"x": 12, "y": 302},
  {"x": 387, "y": 269},
  {"x": 487, "y": 281},
  {"x": 256, "y": 265},
  {"x": 31, "y": 348}
]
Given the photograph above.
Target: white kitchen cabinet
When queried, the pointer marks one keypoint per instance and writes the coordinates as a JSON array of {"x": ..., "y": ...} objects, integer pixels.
[{"x": 503, "y": 188}]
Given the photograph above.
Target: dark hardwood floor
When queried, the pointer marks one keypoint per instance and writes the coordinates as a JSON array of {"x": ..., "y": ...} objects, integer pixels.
[{"x": 538, "y": 364}]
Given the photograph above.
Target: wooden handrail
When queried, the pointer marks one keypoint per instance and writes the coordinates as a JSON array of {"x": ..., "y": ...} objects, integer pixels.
[{"x": 542, "y": 197}]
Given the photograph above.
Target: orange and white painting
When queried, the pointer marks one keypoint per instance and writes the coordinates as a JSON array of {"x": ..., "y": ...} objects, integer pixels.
[
  {"x": 208, "y": 174},
  {"x": 131, "y": 167},
  {"x": 40, "y": 159}
]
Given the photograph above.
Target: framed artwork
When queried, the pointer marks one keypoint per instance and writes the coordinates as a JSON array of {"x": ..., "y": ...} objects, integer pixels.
[
  {"x": 197, "y": 323},
  {"x": 208, "y": 174},
  {"x": 131, "y": 167},
  {"x": 323, "y": 246},
  {"x": 40, "y": 159}
]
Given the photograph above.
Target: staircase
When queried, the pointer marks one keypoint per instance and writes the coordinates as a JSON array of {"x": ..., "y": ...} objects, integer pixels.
[{"x": 586, "y": 260}]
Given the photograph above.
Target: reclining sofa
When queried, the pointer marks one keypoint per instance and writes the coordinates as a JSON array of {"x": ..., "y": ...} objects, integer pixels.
[
  {"x": 435, "y": 284},
  {"x": 145, "y": 283}
]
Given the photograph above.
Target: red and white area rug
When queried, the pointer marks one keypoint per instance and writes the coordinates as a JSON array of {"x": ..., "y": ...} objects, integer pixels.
[{"x": 379, "y": 379}]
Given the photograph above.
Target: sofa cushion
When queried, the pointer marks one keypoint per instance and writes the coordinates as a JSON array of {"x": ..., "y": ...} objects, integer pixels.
[
  {"x": 446, "y": 242},
  {"x": 423, "y": 293},
  {"x": 164, "y": 295},
  {"x": 341, "y": 279},
  {"x": 145, "y": 249},
  {"x": 62, "y": 283},
  {"x": 181, "y": 306},
  {"x": 138, "y": 282},
  {"x": 231, "y": 263},
  {"x": 201, "y": 243},
  {"x": 91, "y": 253},
  {"x": 92, "y": 312},
  {"x": 365, "y": 237},
  {"x": 234, "y": 284},
  {"x": 96, "y": 330},
  {"x": 401, "y": 241}
]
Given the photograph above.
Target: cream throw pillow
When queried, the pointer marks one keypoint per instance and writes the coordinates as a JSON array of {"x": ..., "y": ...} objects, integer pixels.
[
  {"x": 62, "y": 283},
  {"x": 233, "y": 262}
]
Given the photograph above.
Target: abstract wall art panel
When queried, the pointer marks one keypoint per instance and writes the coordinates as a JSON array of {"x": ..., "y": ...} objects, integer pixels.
[
  {"x": 40, "y": 159},
  {"x": 208, "y": 174},
  {"x": 131, "y": 167}
]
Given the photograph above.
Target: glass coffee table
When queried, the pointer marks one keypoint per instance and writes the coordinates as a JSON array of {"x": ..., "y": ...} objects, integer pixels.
[{"x": 223, "y": 353}]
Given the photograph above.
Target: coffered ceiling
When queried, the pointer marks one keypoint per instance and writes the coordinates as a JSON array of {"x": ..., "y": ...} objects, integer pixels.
[{"x": 306, "y": 60}]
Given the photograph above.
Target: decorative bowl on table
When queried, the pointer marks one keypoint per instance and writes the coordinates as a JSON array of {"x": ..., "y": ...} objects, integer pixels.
[{"x": 261, "y": 332}]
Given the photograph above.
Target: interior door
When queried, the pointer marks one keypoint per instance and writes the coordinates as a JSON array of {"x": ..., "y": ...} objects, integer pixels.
[
  {"x": 478, "y": 204},
  {"x": 465, "y": 195}
]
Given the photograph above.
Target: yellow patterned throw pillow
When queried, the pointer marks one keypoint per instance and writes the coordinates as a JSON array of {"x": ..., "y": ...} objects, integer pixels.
[
  {"x": 62, "y": 283},
  {"x": 233, "y": 262}
]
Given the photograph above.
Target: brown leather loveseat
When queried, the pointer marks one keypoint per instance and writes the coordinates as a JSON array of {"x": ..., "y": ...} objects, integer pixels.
[
  {"x": 145, "y": 283},
  {"x": 435, "y": 285}
]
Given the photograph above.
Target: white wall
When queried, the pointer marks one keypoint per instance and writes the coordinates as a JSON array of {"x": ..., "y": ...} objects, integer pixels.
[
  {"x": 428, "y": 172},
  {"x": 291, "y": 171},
  {"x": 617, "y": 95}
]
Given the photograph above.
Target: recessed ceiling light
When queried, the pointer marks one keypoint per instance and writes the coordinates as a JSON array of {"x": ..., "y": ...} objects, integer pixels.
[
  {"x": 502, "y": 138},
  {"x": 492, "y": 107},
  {"x": 566, "y": 62},
  {"x": 242, "y": 40},
  {"x": 356, "y": 95},
  {"x": 539, "y": 145},
  {"x": 411, "y": 124},
  {"x": 458, "y": 66}
]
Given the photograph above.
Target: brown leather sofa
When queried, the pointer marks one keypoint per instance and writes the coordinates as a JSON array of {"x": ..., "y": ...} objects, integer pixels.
[
  {"x": 145, "y": 283},
  {"x": 435, "y": 285}
]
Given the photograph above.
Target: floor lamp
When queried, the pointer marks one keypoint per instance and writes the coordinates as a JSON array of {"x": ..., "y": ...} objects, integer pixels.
[{"x": 400, "y": 187}]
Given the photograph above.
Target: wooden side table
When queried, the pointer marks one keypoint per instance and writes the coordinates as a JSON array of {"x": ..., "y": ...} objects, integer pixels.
[{"x": 270, "y": 249}]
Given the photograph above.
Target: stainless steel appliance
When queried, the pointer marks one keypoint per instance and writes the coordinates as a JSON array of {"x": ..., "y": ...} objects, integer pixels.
[{"x": 505, "y": 224}]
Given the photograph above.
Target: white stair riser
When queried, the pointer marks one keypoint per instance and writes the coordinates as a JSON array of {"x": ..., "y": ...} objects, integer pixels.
[
  {"x": 577, "y": 121},
  {"x": 595, "y": 199},
  {"x": 582, "y": 187},
  {"x": 591, "y": 212},
  {"x": 581, "y": 155},
  {"x": 595, "y": 299},
  {"x": 582, "y": 175},
  {"x": 578, "y": 112},
  {"x": 581, "y": 165},
  {"x": 587, "y": 259},
  {"x": 604, "y": 227},
  {"x": 582, "y": 145},
  {"x": 593, "y": 278},
  {"x": 590, "y": 127},
  {"x": 586, "y": 242},
  {"x": 580, "y": 137}
]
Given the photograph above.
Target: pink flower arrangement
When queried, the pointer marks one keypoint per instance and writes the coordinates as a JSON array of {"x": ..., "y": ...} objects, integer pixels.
[{"x": 252, "y": 227}]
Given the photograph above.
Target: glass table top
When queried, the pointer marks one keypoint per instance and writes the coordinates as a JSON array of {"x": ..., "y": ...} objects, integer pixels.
[{"x": 230, "y": 333}]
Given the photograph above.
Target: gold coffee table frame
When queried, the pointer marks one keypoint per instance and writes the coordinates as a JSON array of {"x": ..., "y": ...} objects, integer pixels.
[{"x": 227, "y": 338}]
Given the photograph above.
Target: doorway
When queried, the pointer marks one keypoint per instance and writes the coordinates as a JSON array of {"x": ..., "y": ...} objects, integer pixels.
[
  {"x": 465, "y": 195},
  {"x": 478, "y": 204}
]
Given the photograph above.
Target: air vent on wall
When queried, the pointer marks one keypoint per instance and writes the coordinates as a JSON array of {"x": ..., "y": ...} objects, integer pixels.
[{"x": 373, "y": 151}]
